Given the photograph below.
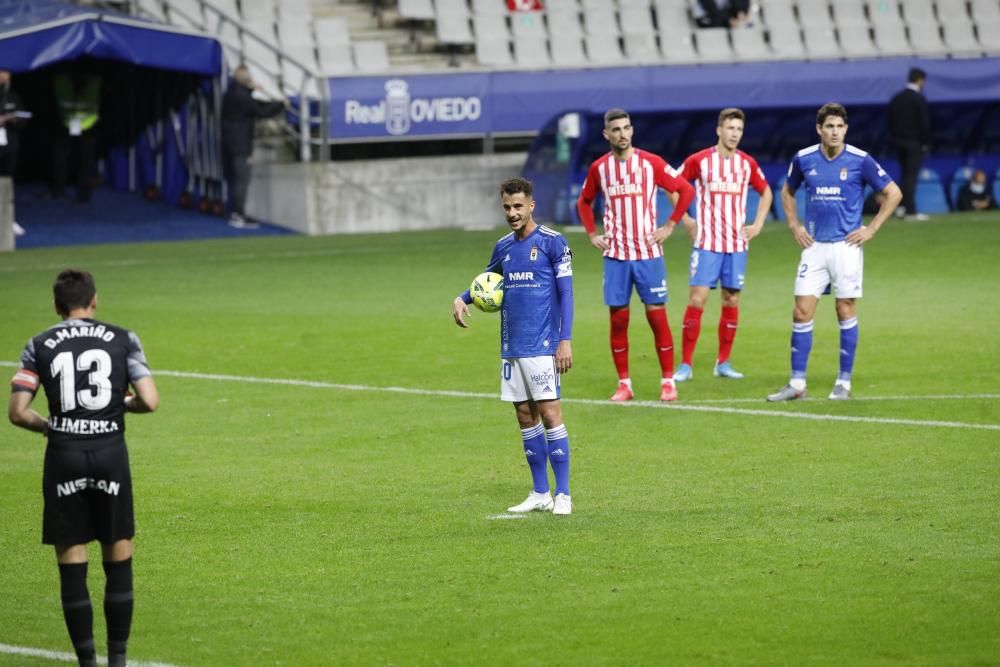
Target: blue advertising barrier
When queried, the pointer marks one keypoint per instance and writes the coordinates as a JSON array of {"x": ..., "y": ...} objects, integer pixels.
[{"x": 498, "y": 103}]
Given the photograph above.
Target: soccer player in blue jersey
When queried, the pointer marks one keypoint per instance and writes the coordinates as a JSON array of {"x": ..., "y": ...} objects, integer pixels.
[
  {"x": 536, "y": 320},
  {"x": 835, "y": 174}
]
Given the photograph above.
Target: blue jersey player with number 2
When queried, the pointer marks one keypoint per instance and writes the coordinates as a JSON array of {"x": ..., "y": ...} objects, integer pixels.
[
  {"x": 834, "y": 174},
  {"x": 536, "y": 321}
]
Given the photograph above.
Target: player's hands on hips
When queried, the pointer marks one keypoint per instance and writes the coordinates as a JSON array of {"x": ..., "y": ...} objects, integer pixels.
[
  {"x": 860, "y": 236},
  {"x": 802, "y": 236},
  {"x": 460, "y": 310},
  {"x": 661, "y": 234},
  {"x": 564, "y": 356},
  {"x": 599, "y": 242}
]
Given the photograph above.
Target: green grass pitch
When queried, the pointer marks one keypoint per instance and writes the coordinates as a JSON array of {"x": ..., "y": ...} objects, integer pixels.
[{"x": 328, "y": 524}]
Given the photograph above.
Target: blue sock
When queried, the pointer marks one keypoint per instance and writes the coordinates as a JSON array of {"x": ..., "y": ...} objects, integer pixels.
[
  {"x": 848, "y": 345},
  {"x": 802, "y": 342},
  {"x": 536, "y": 451},
  {"x": 559, "y": 456}
]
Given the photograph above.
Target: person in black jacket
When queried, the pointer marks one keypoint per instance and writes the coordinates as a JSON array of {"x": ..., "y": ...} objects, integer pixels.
[
  {"x": 240, "y": 111},
  {"x": 975, "y": 195},
  {"x": 910, "y": 128},
  {"x": 12, "y": 116}
]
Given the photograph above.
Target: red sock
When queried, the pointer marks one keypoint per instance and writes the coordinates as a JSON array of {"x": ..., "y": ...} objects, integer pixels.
[
  {"x": 690, "y": 332},
  {"x": 619, "y": 341},
  {"x": 727, "y": 331},
  {"x": 663, "y": 340}
]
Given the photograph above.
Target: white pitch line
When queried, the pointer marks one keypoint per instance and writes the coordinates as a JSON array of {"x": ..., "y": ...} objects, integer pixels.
[
  {"x": 682, "y": 407},
  {"x": 504, "y": 516},
  {"x": 859, "y": 399},
  {"x": 587, "y": 401},
  {"x": 62, "y": 656}
]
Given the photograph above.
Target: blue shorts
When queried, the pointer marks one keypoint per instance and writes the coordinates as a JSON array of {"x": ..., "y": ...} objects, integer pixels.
[
  {"x": 648, "y": 276},
  {"x": 709, "y": 268}
]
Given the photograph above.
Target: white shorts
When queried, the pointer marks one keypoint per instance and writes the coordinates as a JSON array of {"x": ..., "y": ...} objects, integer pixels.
[
  {"x": 823, "y": 265},
  {"x": 529, "y": 379}
]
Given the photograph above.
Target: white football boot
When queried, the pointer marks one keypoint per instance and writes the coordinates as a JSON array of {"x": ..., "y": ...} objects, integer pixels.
[
  {"x": 535, "y": 502},
  {"x": 563, "y": 504}
]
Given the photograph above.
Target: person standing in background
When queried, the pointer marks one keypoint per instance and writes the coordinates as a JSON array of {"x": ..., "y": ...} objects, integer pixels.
[
  {"x": 240, "y": 112},
  {"x": 909, "y": 121},
  {"x": 632, "y": 243},
  {"x": 12, "y": 116},
  {"x": 78, "y": 94}
]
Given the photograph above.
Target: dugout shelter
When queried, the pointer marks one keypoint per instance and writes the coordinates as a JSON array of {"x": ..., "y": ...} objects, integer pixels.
[{"x": 159, "y": 97}]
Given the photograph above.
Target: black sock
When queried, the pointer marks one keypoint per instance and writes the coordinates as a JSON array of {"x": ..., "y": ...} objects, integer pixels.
[
  {"x": 118, "y": 608},
  {"x": 77, "y": 611}
]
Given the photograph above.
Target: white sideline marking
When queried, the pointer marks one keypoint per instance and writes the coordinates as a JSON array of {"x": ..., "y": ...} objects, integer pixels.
[
  {"x": 69, "y": 657},
  {"x": 857, "y": 399},
  {"x": 682, "y": 407},
  {"x": 588, "y": 401},
  {"x": 504, "y": 516}
]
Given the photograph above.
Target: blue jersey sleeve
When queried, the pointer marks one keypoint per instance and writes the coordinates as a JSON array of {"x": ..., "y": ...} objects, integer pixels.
[
  {"x": 874, "y": 175},
  {"x": 562, "y": 265},
  {"x": 794, "y": 174}
]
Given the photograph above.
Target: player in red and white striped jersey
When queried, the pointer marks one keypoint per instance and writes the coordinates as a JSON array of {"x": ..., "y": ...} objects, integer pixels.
[
  {"x": 632, "y": 243},
  {"x": 722, "y": 175}
]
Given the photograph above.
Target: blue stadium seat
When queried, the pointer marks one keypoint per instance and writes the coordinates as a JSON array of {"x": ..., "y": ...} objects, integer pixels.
[
  {"x": 996, "y": 186},
  {"x": 930, "y": 193},
  {"x": 958, "y": 179}
]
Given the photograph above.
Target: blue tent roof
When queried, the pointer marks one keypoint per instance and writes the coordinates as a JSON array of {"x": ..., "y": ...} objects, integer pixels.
[{"x": 38, "y": 33}]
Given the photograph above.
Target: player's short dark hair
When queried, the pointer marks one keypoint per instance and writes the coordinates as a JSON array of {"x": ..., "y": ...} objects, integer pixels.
[
  {"x": 729, "y": 113},
  {"x": 831, "y": 109},
  {"x": 916, "y": 74},
  {"x": 614, "y": 114},
  {"x": 514, "y": 185},
  {"x": 73, "y": 288}
]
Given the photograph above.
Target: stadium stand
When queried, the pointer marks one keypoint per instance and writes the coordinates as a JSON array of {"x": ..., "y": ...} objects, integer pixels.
[
  {"x": 456, "y": 33},
  {"x": 493, "y": 51},
  {"x": 604, "y": 49},
  {"x": 599, "y": 19},
  {"x": 785, "y": 39},
  {"x": 958, "y": 179},
  {"x": 821, "y": 41},
  {"x": 884, "y": 11},
  {"x": 856, "y": 42},
  {"x": 677, "y": 43},
  {"x": 641, "y": 48},
  {"x": 531, "y": 50},
  {"x": 960, "y": 38},
  {"x": 749, "y": 44},
  {"x": 849, "y": 15},
  {"x": 776, "y": 13},
  {"x": 713, "y": 45},
  {"x": 567, "y": 48},
  {"x": 370, "y": 56},
  {"x": 930, "y": 194},
  {"x": 890, "y": 39},
  {"x": 423, "y": 10},
  {"x": 564, "y": 20}
]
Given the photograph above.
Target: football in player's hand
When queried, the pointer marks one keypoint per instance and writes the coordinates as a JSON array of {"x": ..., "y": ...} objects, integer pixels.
[{"x": 487, "y": 292}]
